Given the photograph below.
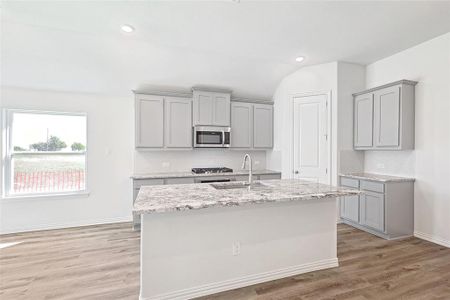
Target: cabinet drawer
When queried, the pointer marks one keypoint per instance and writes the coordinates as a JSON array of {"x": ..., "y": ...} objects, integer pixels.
[
  {"x": 350, "y": 182},
  {"x": 372, "y": 186},
  {"x": 137, "y": 183},
  {"x": 179, "y": 180}
]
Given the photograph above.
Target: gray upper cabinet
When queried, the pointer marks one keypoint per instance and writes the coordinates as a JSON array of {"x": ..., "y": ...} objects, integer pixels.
[
  {"x": 251, "y": 125},
  {"x": 384, "y": 117},
  {"x": 387, "y": 124},
  {"x": 363, "y": 121},
  {"x": 211, "y": 108},
  {"x": 178, "y": 120},
  {"x": 163, "y": 122},
  {"x": 262, "y": 126},
  {"x": 241, "y": 125},
  {"x": 149, "y": 129}
]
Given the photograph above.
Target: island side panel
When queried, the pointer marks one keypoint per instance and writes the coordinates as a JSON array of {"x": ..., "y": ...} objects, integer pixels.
[{"x": 190, "y": 253}]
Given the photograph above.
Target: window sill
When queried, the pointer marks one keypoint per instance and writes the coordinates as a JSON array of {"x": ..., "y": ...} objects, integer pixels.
[{"x": 45, "y": 196}]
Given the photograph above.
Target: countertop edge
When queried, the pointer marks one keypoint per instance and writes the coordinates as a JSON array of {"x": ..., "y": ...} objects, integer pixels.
[
  {"x": 384, "y": 180},
  {"x": 281, "y": 200},
  {"x": 191, "y": 175}
]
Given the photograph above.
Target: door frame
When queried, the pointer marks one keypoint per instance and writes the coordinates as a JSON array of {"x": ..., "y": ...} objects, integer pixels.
[{"x": 329, "y": 120}]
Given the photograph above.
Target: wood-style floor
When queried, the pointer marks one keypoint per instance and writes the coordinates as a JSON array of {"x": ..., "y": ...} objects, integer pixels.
[{"x": 102, "y": 262}]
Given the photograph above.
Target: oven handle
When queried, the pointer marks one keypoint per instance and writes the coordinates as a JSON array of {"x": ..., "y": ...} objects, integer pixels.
[{"x": 223, "y": 138}]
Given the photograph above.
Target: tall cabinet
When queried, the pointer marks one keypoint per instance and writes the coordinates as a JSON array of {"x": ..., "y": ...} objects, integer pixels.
[{"x": 384, "y": 117}]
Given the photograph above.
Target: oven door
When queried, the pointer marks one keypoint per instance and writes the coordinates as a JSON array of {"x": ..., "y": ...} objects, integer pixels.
[{"x": 211, "y": 137}]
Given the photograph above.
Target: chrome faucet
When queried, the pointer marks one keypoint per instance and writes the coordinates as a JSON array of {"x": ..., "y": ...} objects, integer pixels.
[{"x": 250, "y": 169}]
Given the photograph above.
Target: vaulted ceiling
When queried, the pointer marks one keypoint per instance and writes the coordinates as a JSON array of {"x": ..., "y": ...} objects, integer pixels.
[{"x": 245, "y": 46}]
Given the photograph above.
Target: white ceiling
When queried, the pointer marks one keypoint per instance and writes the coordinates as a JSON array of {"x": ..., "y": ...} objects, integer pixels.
[{"x": 247, "y": 46}]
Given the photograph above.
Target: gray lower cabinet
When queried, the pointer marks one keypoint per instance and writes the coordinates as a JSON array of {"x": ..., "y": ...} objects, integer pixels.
[
  {"x": 372, "y": 210},
  {"x": 385, "y": 209},
  {"x": 350, "y": 208}
]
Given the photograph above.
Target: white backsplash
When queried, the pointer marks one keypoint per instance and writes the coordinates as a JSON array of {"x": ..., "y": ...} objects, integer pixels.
[
  {"x": 184, "y": 160},
  {"x": 397, "y": 163}
]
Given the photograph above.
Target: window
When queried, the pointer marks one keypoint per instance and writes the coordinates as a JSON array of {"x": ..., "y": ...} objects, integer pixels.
[{"x": 45, "y": 153}]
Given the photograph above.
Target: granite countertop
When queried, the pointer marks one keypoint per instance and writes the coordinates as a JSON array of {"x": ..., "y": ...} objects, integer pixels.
[
  {"x": 180, "y": 197},
  {"x": 190, "y": 174},
  {"x": 377, "y": 177}
]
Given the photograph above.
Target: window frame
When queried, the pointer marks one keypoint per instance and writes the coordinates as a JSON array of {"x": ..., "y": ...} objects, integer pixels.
[{"x": 8, "y": 154}]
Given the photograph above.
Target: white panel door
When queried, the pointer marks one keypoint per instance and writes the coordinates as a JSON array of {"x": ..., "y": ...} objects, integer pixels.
[
  {"x": 178, "y": 122},
  {"x": 149, "y": 120},
  {"x": 387, "y": 117},
  {"x": 311, "y": 150},
  {"x": 363, "y": 121}
]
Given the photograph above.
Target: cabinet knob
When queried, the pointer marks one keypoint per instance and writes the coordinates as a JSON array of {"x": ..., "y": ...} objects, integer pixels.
[{"x": 296, "y": 172}]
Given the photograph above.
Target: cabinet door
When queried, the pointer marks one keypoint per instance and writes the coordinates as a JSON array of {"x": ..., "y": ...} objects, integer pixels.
[
  {"x": 178, "y": 122},
  {"x": 372, "y": 210},
  {"x": 221, "y": 109},
  {"x": 363, "y": 131},
  {"x": 241, "y": 125},
  {"x": 149, "y": 118},
  {"x": 203, "y": 108},
  {"x": 262, "y": 126},
  {"x": 387, "y": 117},
  {"x": 351, "y": 208}
]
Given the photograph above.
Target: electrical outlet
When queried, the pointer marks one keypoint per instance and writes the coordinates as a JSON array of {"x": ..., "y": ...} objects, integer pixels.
[
  {"x": 236, "y": 248},
  {"x": 380, "y": 166},
  {"x": 257, "y": 162}
]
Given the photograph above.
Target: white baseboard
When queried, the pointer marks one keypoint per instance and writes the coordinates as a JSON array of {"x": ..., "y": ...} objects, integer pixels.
[
  {"x": 49, "y": 226},
  {"x": 432, "y": 238},
  {"x": 244, "y": 281}
]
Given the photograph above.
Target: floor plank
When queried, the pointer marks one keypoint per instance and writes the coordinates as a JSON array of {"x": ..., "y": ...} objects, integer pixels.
[{"x": 102, "y": 262}]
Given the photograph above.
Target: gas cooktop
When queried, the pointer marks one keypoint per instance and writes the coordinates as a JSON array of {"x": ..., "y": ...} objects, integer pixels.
[{"x": 211, "y": 170}]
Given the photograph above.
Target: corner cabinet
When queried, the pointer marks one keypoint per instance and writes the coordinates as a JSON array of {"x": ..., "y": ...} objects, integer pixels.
[
  {"x": 251, "y": 125},
  {"x": 211, "y": 108},
  {"x": 384, "y": 117},
  {"x": 163, "y": 122}
]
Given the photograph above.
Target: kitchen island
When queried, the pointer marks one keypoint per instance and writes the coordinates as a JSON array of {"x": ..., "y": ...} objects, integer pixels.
[{"x": 200, "y": 239}]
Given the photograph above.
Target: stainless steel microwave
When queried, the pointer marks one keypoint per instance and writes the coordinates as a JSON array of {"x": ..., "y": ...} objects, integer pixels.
[{"x": 211, "y": 137}]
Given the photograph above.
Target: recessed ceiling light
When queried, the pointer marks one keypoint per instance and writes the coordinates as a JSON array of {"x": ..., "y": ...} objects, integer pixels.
[
  {"x": 127, "y": 28},
  {"x": 299, "y": 59}
]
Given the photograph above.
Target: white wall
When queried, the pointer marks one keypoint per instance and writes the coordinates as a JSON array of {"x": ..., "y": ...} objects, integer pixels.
[
  {"x": 319, "y": 78},
  {"x": 339, "y": 78},
  {"x": 110, "y": 121},
  {"x": 429, "y": 163},
  {"x": 185, "y": 160}
]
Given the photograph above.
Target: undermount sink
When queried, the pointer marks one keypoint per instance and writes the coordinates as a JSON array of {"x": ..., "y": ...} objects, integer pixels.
[{"x": 237, "y": 185}]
